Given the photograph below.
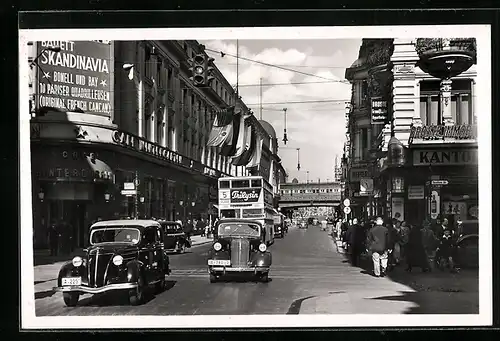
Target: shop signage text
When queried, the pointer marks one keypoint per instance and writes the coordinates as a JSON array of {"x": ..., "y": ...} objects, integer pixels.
[
  {"x": 416, "y": 192},
  {"x": 77, "y": 77},
  {"x": 76, "y": 173},
  {"x": 445, "y": 157},
  {"x": 140, "y": 144},
  {"x": 358, "y": 173},
  {"x": 441, "y": 132},
  {"x": 245, "y": 195},
  {"x": 379, "y": 111}
]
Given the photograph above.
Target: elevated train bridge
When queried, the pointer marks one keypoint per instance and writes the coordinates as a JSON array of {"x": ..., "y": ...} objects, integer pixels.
[{"x": 297, "y": 195}]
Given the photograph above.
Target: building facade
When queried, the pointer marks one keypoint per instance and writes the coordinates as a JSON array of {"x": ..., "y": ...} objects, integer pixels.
[
  {"x": 118, "y": 130},
  {"x": 413, "y": 145}
]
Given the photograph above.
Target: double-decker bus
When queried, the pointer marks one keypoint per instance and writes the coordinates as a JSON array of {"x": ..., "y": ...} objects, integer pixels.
[{"x": 248, "y": 197}]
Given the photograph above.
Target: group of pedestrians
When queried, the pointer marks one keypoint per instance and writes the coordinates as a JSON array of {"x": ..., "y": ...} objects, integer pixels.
[{"x": 391, "y": 242}]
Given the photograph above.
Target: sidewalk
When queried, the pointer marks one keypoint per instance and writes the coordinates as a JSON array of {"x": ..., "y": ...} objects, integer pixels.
[
  {"x": 400, "y": 292},
  {"x": 47, "y": 267}
]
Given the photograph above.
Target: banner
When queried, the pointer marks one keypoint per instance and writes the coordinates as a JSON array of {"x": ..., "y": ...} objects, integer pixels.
[{"x": 76, "y": 78}]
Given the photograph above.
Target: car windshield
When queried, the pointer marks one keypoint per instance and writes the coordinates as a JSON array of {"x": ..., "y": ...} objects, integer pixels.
[
  {"x": 172, "y": 228},
  {"x": 115, "y": 234},
  {"x": 239, "y": 229}
]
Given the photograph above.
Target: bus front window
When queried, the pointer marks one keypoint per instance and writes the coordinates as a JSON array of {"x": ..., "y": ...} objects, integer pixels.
[{"x": 230, "y": 213}]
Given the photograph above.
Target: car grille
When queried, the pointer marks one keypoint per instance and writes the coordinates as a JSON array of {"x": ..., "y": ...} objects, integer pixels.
[
  {"x": 240, "y": 249},
  {"x": 98, "y": 266}
]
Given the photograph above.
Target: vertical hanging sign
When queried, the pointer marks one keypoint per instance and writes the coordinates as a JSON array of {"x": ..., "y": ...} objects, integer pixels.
[{"x": 379, "y": 112}]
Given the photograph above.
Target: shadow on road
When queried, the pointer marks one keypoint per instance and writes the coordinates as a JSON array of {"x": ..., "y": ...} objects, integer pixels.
[
  {"x": 294, "y": 308},
  {"x": 435, "y": 292},
  {"x": 44, "y": 294}
]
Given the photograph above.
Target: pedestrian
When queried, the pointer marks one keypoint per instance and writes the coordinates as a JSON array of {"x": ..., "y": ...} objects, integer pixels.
[
  {"x": 349, "y": 234},
  {"x": 415, "y": 251},
  {"x": 54, "y": 238},
  {"x": 430, "y": 241},
  {"x": 445, "y": 251},
  {"x": 378, "y": 244},
  {"x": 188, "y": 229},
  {"x": 357, "y": 240},
  {"x": 200, "y": 226},
  {"x": 393, "y": 241},
  {"x": 403, "y": 237}
]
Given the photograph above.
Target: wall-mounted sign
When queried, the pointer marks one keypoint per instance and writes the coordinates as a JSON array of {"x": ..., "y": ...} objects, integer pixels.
[
  {"x": 445, "y": 157},
  {"x": 77, "y": 77},
  {"x": 379, "y": 111},
  {"x": 128, "y": 186},
  {"x": 416, "y": 192},
  {"x": 245, "y": 195},
  {"x": 442, "y": 132},
  {"x": 365, "y": 186},
  {"x": 358, "y": 173},
  {"x": 435, "y": 205},
  {"x": 398, "y": 206}
]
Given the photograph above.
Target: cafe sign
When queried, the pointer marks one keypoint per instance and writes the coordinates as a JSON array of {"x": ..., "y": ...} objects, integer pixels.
[
  {"x": 77, "y": 78},
  {"x": 358, "y": 173},
  {"x": 442, "y": 132},
  {"x": 445, "y": 157}
]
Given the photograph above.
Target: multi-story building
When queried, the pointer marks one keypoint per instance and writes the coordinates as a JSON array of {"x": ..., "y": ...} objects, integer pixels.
[
  {"x": 413, "y": 141},
  {"x": 118, "y": 129}
]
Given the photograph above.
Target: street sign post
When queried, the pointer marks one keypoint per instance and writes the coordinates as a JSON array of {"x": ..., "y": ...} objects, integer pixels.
[
  {"x": 128, "y": 192},
  {"x": 439, "y": 182},
  {"x": 347, "y": 210}
]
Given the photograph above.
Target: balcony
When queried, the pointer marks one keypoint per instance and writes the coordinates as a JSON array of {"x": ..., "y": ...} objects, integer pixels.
[{"x": 445, "y": 58}]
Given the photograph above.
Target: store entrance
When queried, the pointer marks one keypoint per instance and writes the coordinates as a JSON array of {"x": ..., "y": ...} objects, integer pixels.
[{"x": 70, "y": 216}]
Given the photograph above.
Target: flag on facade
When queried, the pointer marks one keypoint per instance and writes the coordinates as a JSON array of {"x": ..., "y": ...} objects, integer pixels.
[
  {"x": 229, "y": 147},
  {"x": 222, "y": 129},
  {"x": 250, "y": 141},
  {"x": 242, "y": 138},
  {"x": 256, "y": 153}
]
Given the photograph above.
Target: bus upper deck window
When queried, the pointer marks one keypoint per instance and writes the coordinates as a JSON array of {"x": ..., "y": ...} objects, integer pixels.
[
  {"x": 257, "y": 183},
  {"x": 224, "y": 184},
  {"x": 241, "y": 183}
]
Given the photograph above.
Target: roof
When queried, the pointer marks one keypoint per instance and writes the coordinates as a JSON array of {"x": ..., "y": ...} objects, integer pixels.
[
  {"x": 126, "y": 222},
  {"x": 268, "y": 128}
]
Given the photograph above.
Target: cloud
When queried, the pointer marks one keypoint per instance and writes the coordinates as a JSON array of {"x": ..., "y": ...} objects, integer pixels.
[{"x": 317, "y": 128}]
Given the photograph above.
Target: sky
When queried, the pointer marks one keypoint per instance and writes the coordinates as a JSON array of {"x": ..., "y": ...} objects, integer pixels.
[{"x": 318, "y": 129}]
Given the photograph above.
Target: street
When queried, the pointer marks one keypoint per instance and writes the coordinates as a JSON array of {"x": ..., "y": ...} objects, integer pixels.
[{"x": 308, "y": 276}]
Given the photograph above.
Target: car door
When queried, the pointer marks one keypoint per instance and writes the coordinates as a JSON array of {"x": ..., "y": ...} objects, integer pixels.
[
  {"x": 148, "y": 249},
  {"x": 159, "y": 249}
]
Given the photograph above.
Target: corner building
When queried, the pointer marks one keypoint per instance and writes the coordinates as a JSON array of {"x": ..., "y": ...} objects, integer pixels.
[
  {"x": 421, "y": 145},
  {"x": 125, "y": 135}
]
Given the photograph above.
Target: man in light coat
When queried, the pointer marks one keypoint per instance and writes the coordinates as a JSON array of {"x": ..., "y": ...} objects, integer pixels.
[{"x": 377, "y": 242}]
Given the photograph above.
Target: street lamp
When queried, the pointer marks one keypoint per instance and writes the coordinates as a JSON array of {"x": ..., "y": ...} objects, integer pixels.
[
  {"x": 107, "y": 196},
  {"x": 41, "y": 195}
]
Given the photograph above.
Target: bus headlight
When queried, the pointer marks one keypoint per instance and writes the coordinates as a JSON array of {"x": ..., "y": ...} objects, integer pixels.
[
  {"x": 262, "y": 247},
  {"x": 217, "y": 246},
  {"x": 117, "y": 260},
  {"x": 77, "y": 261}
]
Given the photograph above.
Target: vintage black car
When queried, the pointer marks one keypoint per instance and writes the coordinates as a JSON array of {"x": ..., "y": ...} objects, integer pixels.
[
  {"x": 467, "y": 252},
  {"x": 175, "y": 240},
  {"x": 125, "y": 255},
  {"x": 239, "y": 248}
]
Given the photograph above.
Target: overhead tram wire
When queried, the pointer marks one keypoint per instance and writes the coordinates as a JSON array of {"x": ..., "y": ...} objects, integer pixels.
[{"x": 273, "y": 65}]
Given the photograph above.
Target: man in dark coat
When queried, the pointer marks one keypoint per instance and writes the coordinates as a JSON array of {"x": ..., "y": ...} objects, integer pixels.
[
  {"x": 54, "y": 238},
  {"x": 356, "y": 242},
  {"x": 415, "y": 251},
  {"x": 377, "y": 243},
  {"x": 188, "y": 229}
]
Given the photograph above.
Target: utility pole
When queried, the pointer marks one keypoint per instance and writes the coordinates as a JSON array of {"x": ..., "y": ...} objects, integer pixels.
[
  {"x": 260, "y": 98},
  {"x": 237, "y": 67}
]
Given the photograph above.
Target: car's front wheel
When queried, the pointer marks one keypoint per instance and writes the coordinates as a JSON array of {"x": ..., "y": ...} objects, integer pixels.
[
  {"x": 160, "y": 286},
  {"x": 71, "y": 298},
  {"x": 264, "y": 277},
  {"x": 213, "y": 278},
  {"x": 136, "y": 296}
]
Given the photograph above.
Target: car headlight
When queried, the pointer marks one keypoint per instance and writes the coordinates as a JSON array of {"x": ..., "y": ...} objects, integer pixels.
[
  {"x": 262, "y": 247},
  {"x": 77, "y": 261},
  {"x": 217, "y": 246},
  {"x": 117, "y": 260}
]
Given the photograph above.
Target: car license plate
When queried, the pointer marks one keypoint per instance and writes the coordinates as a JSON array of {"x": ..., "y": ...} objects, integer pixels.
[
  {"x": 72, "y": 281},
  {"x": 219, "y": 262}
]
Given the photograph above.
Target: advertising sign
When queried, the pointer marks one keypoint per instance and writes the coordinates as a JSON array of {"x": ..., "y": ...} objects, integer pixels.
[
  {"x": 245, "y": 195},
  {"x": 76, "y": 78},
  {"x": 435, "y": 204},
  {"x": 398, "y": 206},
  {"x": 416, "y": 192},
  {"x": 441, "y": 132},
  {"x": 365, "y": 186},
  {"x": 379, "y": 111}
]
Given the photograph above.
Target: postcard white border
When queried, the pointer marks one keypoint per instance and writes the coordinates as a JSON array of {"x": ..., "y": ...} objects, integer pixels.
[{"x": 481, "y": 32}]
